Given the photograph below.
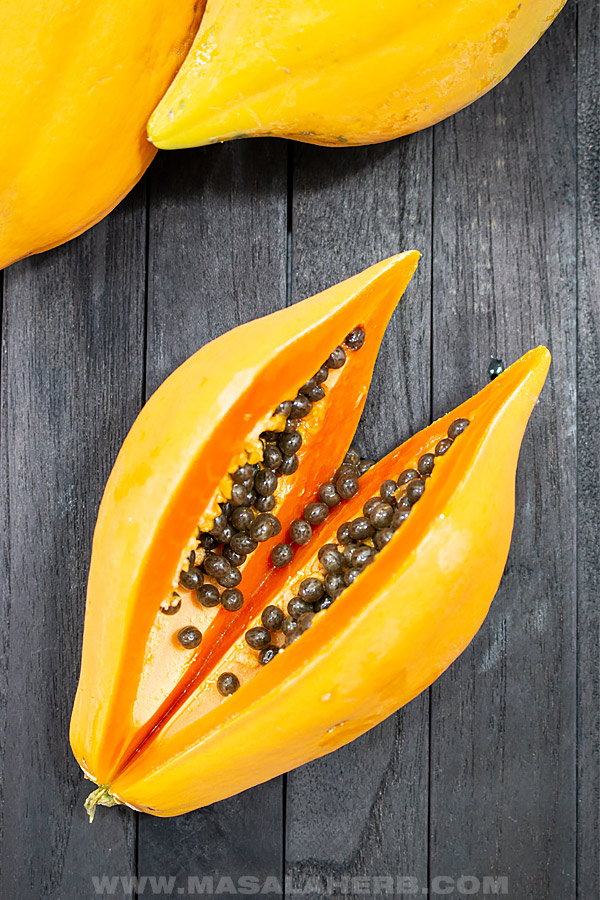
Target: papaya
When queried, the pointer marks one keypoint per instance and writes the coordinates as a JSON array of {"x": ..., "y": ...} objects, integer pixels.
[
  {"x": 79, "y": 81},
  {"x": 260, "y": 595},
  {"x": 339, "y": 72}
]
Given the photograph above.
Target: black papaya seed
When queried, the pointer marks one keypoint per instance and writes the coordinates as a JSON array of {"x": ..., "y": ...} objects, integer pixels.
[
  {"x": 272, "y": 456},
  {"x": 272, "y": 618},
  {"x": 289, "y": 625},
  {"x": 301, "y": 406},
  {"x": 189, "y": 637},
  {"x": 321, "y": 375},
  {"x": 258, "y": 638},
  {"x": 443, "y": 446},
  {"x": 407, "y": 476},
  {"x": 334, "y": 585},
  {"x": 388, "y": 489},
  {"x": 364, "y": 466},
  {"x": 343, "y": 533},
  {"x": 347, "y": 485},
  {"x": 323, "y": 603},
  {"x": 300, "y": 531},
  {"x": 282, "y": 555},
  {"x": 231, "y": 578},
  {"x": 192, "y": 579},
  {"x": 289, "y": 465},
  {"x": 355, "y": 339},
  {"x": 310, "y": 589},
  {"x": 215, "y": 565},
  {"x": 207, "y": 595},
  {"x": 328, "y": 494},
  {"x": 262, "y": 528},
  {"x": 267, "y": 655},
  {"x": 284, "y": 408},
  {"x": 297, "y": 606},
  {"x": 232, "y": 599},
  {"x": 351, "y": 576},
  {"x": 265, "y": 504},
  {"x": 331, "y": 559},
  {"x": 336, "y": 358},
  {"x": 227, "y": 684},
  {"x": 265, "y": 482},
  {"x": 242, "y": 542},
  {"x": 426, "y": 463},
  {"x": 457, "y": 427},
  {"x": 400, "y": 516},
  {"x": 315, "y": 513},
  {"x": 290, "y": 443},
  {"x": 415, "y": 490},
  {"x": 361, "y": 529},
  {"x": 383, "y": 537},
  {"x": 171, "y": 605},
  {"x": 312, "y": 390},
  {"x": 305, "y": 621},
  {"x": 236, "y": 559}
]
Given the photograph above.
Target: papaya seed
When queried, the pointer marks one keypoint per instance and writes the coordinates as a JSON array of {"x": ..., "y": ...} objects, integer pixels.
[
  {"x": 171, "y": 605},
  {"x": 189, "y": 637},
  {"x": 300, "y": 531},
  {"x": 316, "y": 513},
  {"x": 227, "y": 684},
  {"x": 232, "y": 599},
  {"x": 272, "y": 618},
  {"x": 355, "y": 339},
  {"x": 267, "y": 655},
  {"x": 192, "y": 579},
  {"x": 258, "y": 637},
  {"x": 207, "y": 595},
  {"x": 282, "y": 555},
  {"x": 336, "y": 358},
  {"x": 426, "y": 463},
  {"x": 457, "y": 427},
  {"x": 443, "y": 446}
]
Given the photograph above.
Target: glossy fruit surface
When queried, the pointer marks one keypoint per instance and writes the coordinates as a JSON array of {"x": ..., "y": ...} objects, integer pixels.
[
  {"x": 341, "y": 72},
  {"x": 150, "y": 725},
  {"x": 79, "y": 81}
]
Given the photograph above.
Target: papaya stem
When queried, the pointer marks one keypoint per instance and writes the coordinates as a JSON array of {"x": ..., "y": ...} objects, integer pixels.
[{"x": 100, "y": 797}]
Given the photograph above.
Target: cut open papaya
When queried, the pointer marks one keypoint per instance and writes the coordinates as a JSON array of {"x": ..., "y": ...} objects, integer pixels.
[{"x": 259, "y": 596}]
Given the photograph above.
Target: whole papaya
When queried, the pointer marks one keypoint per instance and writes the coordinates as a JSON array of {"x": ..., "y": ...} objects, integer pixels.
[
  {"x": 341, "y": 72},
  {"x": 79, "y": 81}
]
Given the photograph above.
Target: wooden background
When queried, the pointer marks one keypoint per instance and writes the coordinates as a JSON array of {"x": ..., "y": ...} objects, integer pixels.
[{"x": 494, "y": 770}]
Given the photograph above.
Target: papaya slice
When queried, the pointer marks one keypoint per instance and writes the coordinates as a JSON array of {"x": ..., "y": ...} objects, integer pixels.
[{"x": 259, "y": 596}]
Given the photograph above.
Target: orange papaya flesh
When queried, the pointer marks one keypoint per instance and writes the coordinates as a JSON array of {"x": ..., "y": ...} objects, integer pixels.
[
  {"x": 170, "y": 470},
  {"x": 387, "y": 635}
]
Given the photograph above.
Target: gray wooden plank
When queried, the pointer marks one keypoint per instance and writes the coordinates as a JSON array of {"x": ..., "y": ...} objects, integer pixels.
[
  {"x": 588, "y": 449},
  {"x": 217, "y": 258},
  {"x": 504, "y": 280},
  {"x": 71, "y": 383},
  {"x": 362, "y": 811}
]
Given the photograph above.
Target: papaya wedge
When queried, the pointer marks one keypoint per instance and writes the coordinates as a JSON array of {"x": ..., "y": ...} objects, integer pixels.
[
  {"x": 258, "y": 596},
  {"x": 339, "y": 72}
]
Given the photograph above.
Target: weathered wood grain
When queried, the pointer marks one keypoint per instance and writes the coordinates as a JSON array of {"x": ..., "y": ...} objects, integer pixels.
[
  {"x": 504, "y": 280},
  {"x": 363, "y": 810},
  {"x": 71, "y": 378},
  {"x": 217, "y": 258},
  {"x": 588, "y": 450}
]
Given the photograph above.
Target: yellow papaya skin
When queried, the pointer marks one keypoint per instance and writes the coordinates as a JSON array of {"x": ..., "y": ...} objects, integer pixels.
[
  {"x": 79, "y": 81},
  {"x": 339, "y": 72}
]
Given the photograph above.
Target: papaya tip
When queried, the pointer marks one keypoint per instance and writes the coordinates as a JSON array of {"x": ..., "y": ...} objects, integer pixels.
[{"x": 100, "y": 797}]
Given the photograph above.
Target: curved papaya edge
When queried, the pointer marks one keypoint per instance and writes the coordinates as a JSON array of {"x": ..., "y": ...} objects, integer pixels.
[
  {"x": 393, "y": 632},
  {"x": 171, "y": 470}
]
